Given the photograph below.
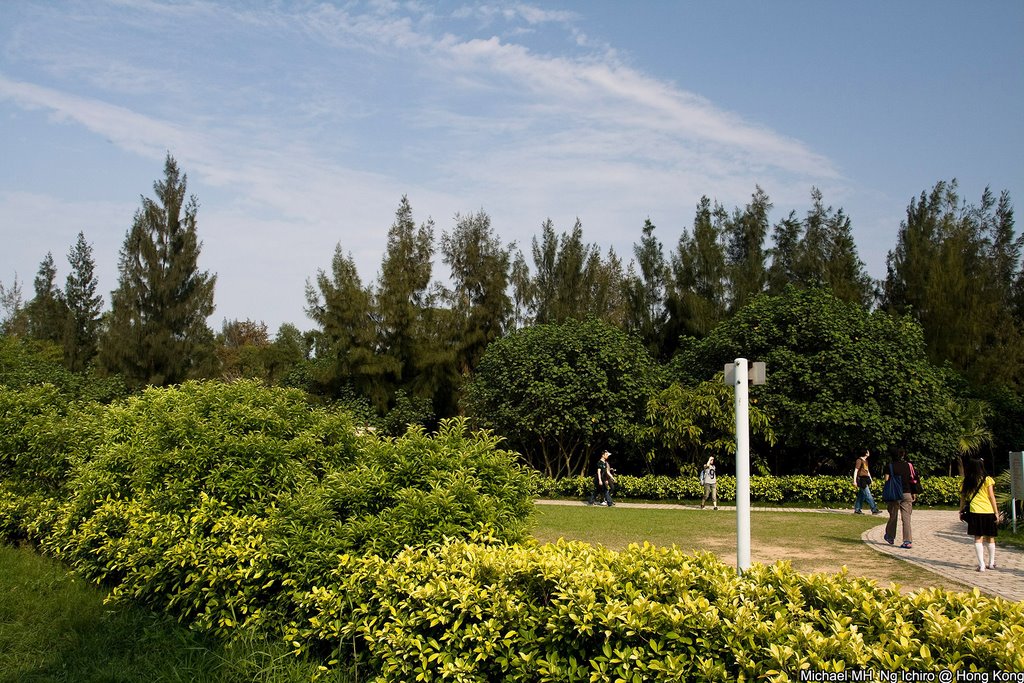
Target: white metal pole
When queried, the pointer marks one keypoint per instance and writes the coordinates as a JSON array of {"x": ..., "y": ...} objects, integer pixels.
[{"x": 742, "y": 467}]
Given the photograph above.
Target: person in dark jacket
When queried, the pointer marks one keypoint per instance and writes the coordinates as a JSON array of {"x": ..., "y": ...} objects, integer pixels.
[
  {"x": 903, "y": 508},
  {"x": 603, "y": 480}
]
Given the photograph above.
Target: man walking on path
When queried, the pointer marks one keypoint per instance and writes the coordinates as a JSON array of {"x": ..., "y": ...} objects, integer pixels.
[{"x": 602, "y": 481}]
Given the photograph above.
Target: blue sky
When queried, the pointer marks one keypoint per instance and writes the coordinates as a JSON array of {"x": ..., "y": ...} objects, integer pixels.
[{"x": 301, "y": 125}]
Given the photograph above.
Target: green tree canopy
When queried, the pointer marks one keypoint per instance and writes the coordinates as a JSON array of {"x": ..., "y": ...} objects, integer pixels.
[
  {"x": 839, "y": 378},
  {"x": 558, "y": 392}
]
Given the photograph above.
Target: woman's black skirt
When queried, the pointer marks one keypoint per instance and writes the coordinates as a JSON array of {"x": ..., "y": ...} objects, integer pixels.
[{"x": 981, "y": 524}]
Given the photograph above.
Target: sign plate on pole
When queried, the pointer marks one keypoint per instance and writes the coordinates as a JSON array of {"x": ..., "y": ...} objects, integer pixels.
[
  {"x": 1017, "y": 474},
  {"x": 1016, "y": 483}
]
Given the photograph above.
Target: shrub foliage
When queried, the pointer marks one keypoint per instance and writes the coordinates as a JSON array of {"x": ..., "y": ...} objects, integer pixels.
[
  {"x": 243, "y": 510},
  {"x": 574, "y": 612}
]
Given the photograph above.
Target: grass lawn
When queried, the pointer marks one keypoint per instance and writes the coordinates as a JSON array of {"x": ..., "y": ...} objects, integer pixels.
[
  {"x": 812, "y": 542},
  {"x": 55, "y": 627}
]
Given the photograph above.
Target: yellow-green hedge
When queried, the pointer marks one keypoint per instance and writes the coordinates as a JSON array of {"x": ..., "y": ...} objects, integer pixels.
[{"x": 573, "y": 612}]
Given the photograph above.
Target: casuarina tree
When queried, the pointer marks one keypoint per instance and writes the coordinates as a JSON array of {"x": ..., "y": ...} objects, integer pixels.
[{"x": 158, "y": 333}]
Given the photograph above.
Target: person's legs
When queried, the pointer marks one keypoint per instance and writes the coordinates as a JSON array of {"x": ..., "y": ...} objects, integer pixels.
[
  {"x": 704, "y": 499},
  {"x": 890, "y": 526},
  {"x": 906, "y": 509},
  {"x": 858, "y": 502},
  {"x": 991, "y": 551},
  {"x": 714, "y": 495},
  {"x": 608, "y": 495},
  {"x": 870, "y": 500},
  {"x": 980, "y": 552}
]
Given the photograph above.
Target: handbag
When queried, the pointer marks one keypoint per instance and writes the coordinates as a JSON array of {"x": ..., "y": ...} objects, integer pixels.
[
  {"x": 893, "y": 489},
  {"x": 966, "y": 509}
]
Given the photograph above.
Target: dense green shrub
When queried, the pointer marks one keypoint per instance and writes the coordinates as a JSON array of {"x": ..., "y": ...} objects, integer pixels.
[
  {"x": 28, "y": 363},
  {"x": 217, "y": 502},
  {"x": 818, "y": 490},
  {"x": 42, "y": 433},
  {"x": 574, "y": 612},
  {"x": 242, "y": 509}
]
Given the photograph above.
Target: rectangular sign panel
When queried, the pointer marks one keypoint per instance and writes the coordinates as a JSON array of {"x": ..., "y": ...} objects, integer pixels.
[{"x": 1017, "y": 475}]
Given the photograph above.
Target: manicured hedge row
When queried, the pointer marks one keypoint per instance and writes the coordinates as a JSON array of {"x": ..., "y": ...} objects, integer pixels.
[
  {"x": 573, "y": 612},
  {"x": 818, "y": 490}
]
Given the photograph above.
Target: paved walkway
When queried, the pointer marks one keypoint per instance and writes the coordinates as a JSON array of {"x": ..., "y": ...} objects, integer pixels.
[{"x": 941, "y": 545}]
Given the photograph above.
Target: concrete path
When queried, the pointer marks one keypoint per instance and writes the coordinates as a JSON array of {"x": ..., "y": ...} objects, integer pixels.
[{"x": 941, "y": 545}]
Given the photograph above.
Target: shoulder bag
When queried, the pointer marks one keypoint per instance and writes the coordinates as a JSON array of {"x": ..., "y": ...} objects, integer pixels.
[{"x": 893, "y": 489}]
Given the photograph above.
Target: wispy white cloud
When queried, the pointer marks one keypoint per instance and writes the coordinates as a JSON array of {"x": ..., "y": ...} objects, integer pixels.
[{"x": 353, "y": 106}]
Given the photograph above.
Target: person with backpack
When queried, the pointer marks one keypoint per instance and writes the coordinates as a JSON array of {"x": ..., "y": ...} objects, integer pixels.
[
  {"x": 862, "y": 480},
  {"x": 978, "y": 500},
  {"x": 899, "y": 493},
  {"x": 709, "y": 480}
]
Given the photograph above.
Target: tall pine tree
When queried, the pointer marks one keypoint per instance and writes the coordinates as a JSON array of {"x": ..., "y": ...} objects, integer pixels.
[
  {"x": 403, "y": 298},
  {"x": 646, "y": 292},
  {"x": 953, "y": 270},
  {"x": 479, "y": 298},
  {"x": 47, "y": 312},
  {"x": 346, "y": 348},
  {"x": 81, "y": 334},
  {"x": 158, "y": 333},
  {"x": 697, "y": 286},
  {"x": 744, "y": 250}
]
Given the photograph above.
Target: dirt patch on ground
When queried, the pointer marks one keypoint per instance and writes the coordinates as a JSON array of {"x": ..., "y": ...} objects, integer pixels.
[{"x": 860, "y": 561}]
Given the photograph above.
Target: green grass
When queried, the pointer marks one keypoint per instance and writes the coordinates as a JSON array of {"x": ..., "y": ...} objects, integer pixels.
[
  {"x": 55, "y": 627},
  {"x": 811, "y": 542}
]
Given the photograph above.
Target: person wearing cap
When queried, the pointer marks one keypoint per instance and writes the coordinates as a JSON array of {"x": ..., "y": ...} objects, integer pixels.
[{"x": 710, "y": 481}]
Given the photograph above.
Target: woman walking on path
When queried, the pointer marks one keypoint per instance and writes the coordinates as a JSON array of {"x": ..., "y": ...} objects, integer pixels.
[
  {"x": 978, "y": 496},
  {"x": 902, "y": 507},
  {"x": 862, "y": 480}
]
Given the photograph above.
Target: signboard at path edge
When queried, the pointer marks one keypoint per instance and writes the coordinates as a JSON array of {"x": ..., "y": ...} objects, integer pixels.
[{"x": 1017, "y": 474}]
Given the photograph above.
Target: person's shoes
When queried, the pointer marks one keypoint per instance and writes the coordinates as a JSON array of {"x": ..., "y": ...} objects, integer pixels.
[
  {"x": 980, "y": 569},
  {"x": 857, "y": 512},
  {"x": 906, "y": 544},
  {"x": 889, "y": 539},
  {"x": 876, "y": 512},
  {"x": 992, "y": 566},
  {"x": 716, "y": 507},
  {"x": 701, "y": 507}
]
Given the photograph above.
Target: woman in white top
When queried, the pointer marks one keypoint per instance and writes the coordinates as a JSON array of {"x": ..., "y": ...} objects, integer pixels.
[{"x": 710, "y": 481}]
